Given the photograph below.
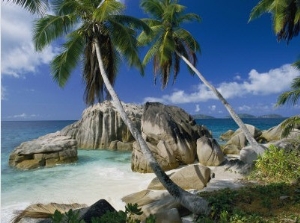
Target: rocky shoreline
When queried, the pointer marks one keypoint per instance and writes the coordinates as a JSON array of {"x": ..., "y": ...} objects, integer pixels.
[{"x": 188, "y": 150}]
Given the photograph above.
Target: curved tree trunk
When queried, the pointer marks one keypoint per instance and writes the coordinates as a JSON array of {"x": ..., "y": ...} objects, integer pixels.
[
  {"x": 192, "y": 202},
  {"x": 258, "y": 149}
]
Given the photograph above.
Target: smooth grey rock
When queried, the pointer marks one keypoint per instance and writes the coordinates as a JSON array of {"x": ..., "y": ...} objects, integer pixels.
[
  {"x": 209, "y": 152},
  {"x": 152, "y": 201},
  {"x": 227, "y": 135},
  {"x": 238, "y": 140},
  {"x": 189, "y": 177}
]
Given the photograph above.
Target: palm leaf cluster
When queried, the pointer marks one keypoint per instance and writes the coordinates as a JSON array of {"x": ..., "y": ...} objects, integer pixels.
[
  {"x": 286, "y": 16},
  {"x": 289, "y": 125},
  {"x": 167, "y": 37},
  {"x": 77, "y": 24},
  {"x": 33, "y": 6},
  {"x": 291, "y": 96}
]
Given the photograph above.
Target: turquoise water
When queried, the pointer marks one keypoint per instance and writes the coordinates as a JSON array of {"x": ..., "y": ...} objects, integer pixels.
[{"x": 96, "y": 175}]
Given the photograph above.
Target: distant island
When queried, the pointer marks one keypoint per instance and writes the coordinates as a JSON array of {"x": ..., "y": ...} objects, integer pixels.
[
  {"x": 201, "y": 116},
  {"x": 271, "y": 116}
]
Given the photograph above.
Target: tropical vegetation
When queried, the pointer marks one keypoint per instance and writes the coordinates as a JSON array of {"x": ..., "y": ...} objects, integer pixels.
[{"x": 169, "y": 43}]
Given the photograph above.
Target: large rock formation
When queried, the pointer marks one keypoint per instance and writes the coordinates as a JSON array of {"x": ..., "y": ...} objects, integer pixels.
[
  {"x": 45, "y": 151},
  {"x": 102, "y": 125},
  {"x": 171, "y": 134}
]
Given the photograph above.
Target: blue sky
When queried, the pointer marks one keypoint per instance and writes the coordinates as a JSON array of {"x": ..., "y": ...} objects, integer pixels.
[{"x": 243, "y": 60}]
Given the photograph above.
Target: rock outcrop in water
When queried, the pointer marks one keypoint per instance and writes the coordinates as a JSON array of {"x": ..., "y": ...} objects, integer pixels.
[
  {"x": 101, "y": 127},
  {"x": 169, "y": 131},
  {"x": 171, "y": 134},
  {"x": 46, "y": 151}
]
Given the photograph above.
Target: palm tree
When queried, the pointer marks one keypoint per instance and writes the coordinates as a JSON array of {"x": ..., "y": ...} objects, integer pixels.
[
  {"x": 170, "y": 43},
  {"x": 98, "y": 33},
  {"x": 33, "y": 6}
]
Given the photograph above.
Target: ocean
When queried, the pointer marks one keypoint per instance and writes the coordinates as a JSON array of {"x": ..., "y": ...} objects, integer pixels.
[{"x": 98, "y": 174}]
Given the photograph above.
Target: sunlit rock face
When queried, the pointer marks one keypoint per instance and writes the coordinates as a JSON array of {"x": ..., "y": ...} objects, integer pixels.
[
  {"x": 101, "y": 127},
  {"x": 171, "y": 134},
  {"x": 45, "y": 151}
]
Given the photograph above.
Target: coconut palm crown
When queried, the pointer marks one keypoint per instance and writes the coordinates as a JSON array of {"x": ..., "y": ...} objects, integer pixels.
[
  {"x": 79, "y": 23},
  {"x": 168, "y": 37},
  {"x": 285, "y": 16}
]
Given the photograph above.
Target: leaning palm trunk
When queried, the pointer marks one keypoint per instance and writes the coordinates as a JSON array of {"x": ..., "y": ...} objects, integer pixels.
[
  {"x": 194, "y": 203},
  {"x": 258, "y": 149}
]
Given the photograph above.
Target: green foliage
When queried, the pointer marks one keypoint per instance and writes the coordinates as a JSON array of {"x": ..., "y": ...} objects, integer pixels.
[
  {"x": 277, "y": 165},
  {"x": 69, "y": 217},
  {"x": 253, "y": 203},
  {"x": 80, "y": 24},
  {"x": 127, "y": 216},
  {"x": 293, "y": 95},
  {"x": 33, "y": 6},
  {"x": 285, "y": 16},
  {"x": 112, "y": 217},
  {"x": 168, "y": 39}
]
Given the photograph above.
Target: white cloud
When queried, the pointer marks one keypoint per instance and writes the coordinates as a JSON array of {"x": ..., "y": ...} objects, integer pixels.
[
  {"x": 197, "y": 108},
  {"x": 244, "y": 108},
  {"x": 18, "y": 56},
  {"x": 3, "y": 93},
  {"x": 212, "y": 108},
  {"x": 273, "y": 82},
  {"x": 237, "y": 77},
  {"x": 23, "y": 116}
]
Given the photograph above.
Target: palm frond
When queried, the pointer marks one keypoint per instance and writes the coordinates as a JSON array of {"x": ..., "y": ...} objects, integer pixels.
[
  {"x": 65, "y": 7},
  {"x": 285, "y": 15},
  {"x": 189, "y": 40},
  {"x": 33, "y": 6},
  {"x": 291, "y": 96},
  {"x": 50, "y": 28},
  {"x": 167, "y": 47},
  {"x": 63, "y": 64},
  {"x": 189, "y": 17},
  {"x": 262, "y": 7},
  {"x": 124, "y": 39},
  {"x": 151, "y": 52},
  {"x": 145, "y": 39},
  {"x": 153, "y": 8},
  {"x": 297, "y": 64},
  {"x": 132, "y": 22},
  {"x": 106, "y": 9},
  {"x": 289, "y": 124}
]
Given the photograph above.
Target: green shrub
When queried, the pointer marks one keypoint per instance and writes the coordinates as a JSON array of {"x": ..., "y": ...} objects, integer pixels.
[{"x": 277, "y": 165}]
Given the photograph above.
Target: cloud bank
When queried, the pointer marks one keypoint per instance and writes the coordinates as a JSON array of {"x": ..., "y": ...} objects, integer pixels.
[
  {"x": 272, "y": 82},
  {"x": 18, "y": 56}
]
